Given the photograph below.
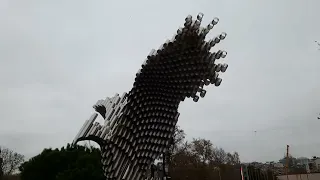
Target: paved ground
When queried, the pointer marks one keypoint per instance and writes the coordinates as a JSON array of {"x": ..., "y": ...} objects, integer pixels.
[{"x": 315, "y": 176}]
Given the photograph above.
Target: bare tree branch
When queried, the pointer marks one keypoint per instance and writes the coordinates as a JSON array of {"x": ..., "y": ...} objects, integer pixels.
[{"x": 10, "y": 160}]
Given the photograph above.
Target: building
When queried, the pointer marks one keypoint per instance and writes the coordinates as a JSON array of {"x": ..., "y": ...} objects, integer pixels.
[
  {"x": 302, "y": 161},
  {"x": 315, "y": 161},
  {"x": 278, "y": 165}
]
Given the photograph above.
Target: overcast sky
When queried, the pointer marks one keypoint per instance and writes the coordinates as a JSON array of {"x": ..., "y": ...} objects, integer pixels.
[{"x": 57, "y": 58}]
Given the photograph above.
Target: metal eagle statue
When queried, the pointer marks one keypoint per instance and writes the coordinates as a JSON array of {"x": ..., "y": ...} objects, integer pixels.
[{"x": 140, "y": 124}]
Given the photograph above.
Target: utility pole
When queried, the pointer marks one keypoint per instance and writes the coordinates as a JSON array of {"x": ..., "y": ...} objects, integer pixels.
[
  {"x": 287, "y": 162},
  {"x": 1, "y": 170}
]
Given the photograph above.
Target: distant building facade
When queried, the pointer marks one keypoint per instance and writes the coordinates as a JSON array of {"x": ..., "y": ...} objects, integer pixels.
[
  {"x": 302, "y": 161},
  {"x": 278, "y": 165},
  {"x": 316, "y": 163}
]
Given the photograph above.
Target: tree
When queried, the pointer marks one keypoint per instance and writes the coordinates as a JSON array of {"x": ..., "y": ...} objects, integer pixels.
[
  {"x": 208, "y": 154},
  {"x": 203, "y": 150},
  {"x": 219, "y": 156},
  {"x": 67, "y": 163},
  {"x": 201, "y": 160},
  {"x": 233, "y": 159},
  {"x": 176, "y": 141},
  {"x": 10, "y": 161},
  {"x": 196, "y": 160}
]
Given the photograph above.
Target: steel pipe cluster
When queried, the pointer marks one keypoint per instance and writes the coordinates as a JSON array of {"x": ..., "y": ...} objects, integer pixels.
[
  {"x": 111, "y": 110},
  {"x": 139, "y": 125}
]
